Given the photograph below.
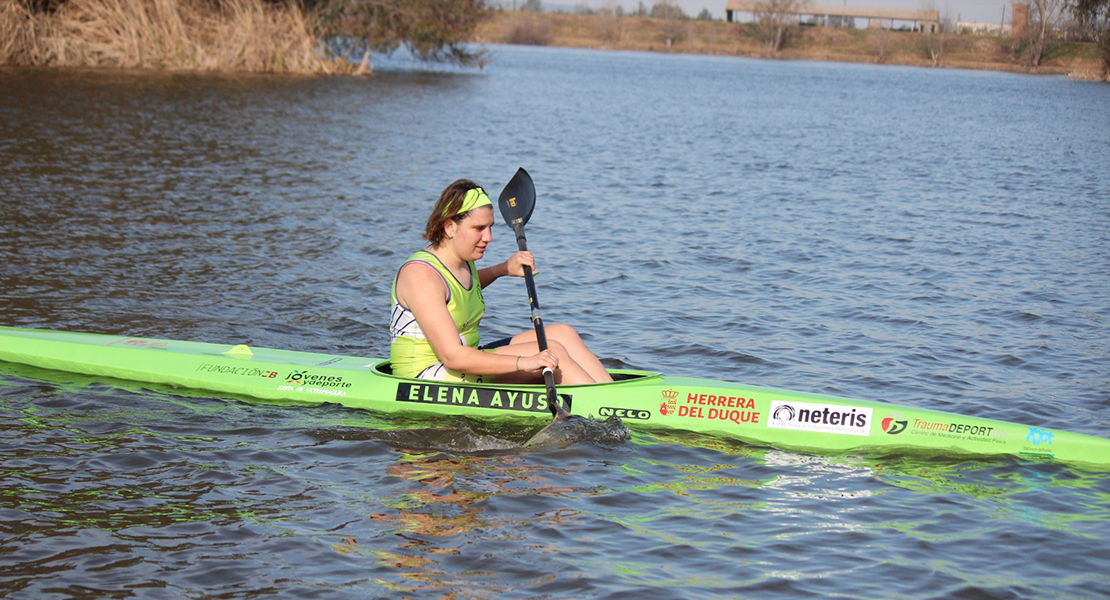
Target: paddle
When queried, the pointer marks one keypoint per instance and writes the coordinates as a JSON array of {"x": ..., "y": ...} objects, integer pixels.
[{"x": 517, "y": 201}]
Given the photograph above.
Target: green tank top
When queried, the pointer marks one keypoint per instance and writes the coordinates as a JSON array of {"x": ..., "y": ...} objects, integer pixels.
[{"x": 409, "y": 351}]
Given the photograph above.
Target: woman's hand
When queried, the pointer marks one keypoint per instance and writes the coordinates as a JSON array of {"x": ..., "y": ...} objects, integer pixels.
[
  {"x": 537, "y": 362},
  {"x": 516, "y": 263}
]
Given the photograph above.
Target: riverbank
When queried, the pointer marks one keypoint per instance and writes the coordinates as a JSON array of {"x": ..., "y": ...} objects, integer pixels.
[
  {"x": 257, "y": 36},
  {"x": 1075, "y": 59},
  {"x": 172, "y": 35}
]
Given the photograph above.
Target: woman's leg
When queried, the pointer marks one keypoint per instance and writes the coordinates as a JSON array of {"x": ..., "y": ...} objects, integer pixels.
[
  {"x": 569, "y": 338},
  {"x": 575, "y": 348},
  {"x": 569, "y": 371}
]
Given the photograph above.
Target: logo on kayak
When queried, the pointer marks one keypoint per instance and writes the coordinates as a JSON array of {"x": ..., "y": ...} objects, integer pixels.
[
  {"x": 824, "y": 418},
  {"x": 1039, "y": 436},
  {"x": 668, "y": 402},
  {"x": 454, "y": 395},
  {"x": 894, "y": 424},
  {"x": 784, "y": 413},
  {"x": 324, "y": 381},
  {"x": 710, "y": 407},
  {"x": 624, "y": 413},
  {"x": 237, "y": 370},
  {"x": 958, "y": 430}
]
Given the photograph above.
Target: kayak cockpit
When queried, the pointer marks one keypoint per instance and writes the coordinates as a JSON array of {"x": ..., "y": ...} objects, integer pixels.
[{"x": 619, "y": 375}]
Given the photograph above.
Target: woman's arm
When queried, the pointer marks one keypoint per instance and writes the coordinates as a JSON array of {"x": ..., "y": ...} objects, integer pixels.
[
  {"x": 422, "y": 290},
  {"x": 514, "y": 266}
]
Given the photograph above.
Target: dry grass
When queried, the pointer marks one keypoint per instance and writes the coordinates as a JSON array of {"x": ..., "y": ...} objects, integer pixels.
[
  {"x": 240, "y": 35},
  {"x": 19, "y": 33},
  {"x": 808, "y": 43},
  {"x": 527, "y": 29}
]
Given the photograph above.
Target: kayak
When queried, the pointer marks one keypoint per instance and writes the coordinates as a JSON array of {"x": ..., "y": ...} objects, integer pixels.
[{"x": 758, "y": 415}]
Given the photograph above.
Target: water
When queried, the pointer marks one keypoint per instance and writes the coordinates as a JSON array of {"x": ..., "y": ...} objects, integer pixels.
[{"x": 924, "y": 237}]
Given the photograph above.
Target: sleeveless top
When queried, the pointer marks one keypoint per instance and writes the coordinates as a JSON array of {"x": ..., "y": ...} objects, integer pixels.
[{"x": 409, "y": 350}]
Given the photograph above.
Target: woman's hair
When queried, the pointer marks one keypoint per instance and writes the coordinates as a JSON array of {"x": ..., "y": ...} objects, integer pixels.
[{"x": 447, "y": 209}]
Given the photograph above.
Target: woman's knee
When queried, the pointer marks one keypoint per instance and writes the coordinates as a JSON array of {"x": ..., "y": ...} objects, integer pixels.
[
  {"x": 562, "y": 331},
  {"x": 558, "y": 348}
]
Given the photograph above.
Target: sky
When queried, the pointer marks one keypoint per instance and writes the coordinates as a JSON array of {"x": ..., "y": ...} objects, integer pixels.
[{"x": 973, "y": 11}]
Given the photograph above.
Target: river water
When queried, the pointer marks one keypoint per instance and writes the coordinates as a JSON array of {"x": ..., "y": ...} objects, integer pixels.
[{"x": 935, "y": 238}]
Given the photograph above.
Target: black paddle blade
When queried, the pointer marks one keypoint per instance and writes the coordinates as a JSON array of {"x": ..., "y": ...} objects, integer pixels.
[{"x": 518, "y": 199}]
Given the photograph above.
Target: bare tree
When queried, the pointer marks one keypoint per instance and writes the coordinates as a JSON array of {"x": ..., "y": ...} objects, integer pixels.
[
  {"x": 609, "y": 23},
  {"x": 774, "y": 20},
  {"x": 881, "y": 40},
  {"x": 673, "y": 17},
  {"x": 934, "y": 45},
  {"x": 934, "y": 39},
  {"x": 1044, "y": 19}
]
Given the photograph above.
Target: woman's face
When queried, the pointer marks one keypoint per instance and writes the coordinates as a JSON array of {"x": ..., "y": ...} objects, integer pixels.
[{"x": 470, "y": 237}]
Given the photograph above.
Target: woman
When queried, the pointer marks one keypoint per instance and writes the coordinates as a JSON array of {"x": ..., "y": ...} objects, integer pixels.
[{"x": 437, "y": 305}]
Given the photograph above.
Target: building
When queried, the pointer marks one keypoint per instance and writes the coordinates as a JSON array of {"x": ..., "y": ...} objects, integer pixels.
[
  {"x": 995, "y": 29},
  {"x": 831, "y": 15}
]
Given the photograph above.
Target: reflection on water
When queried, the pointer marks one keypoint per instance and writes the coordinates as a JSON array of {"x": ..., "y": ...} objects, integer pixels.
[{"x": 209, "y": 479}]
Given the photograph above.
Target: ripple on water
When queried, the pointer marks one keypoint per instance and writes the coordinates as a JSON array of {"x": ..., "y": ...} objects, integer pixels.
[{"x": 771, "y": 222}]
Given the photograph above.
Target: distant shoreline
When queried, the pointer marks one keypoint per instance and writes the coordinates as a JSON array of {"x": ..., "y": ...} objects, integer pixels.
[
  {"x": 1075, "y": 59},
  {"x": 260, "y": 36}
]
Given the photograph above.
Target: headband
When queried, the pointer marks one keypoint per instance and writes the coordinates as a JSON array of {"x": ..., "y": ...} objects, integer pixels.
[{"x": 475, "y": 198}]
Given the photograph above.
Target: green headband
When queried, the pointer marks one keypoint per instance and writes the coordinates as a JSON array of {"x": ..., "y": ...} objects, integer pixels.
[{"x": 475, "y": 198}]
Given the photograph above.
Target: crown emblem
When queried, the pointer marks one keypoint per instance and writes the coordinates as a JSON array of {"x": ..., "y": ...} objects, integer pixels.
[{"x": 670, "y": 394}]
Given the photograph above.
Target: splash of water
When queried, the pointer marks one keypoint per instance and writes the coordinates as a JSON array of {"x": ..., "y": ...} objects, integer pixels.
[{"x": 561, "y": 432}]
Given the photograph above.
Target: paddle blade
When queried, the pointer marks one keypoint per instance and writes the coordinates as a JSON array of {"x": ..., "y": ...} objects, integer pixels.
[{"x": 518, "y": 199}]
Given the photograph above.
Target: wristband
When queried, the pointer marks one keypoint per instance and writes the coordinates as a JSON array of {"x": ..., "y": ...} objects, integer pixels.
[{"x": 518, "y": 362}]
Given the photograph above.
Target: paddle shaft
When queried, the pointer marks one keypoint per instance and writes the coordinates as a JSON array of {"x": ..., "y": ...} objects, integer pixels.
[{"x": 537, "y": 322}]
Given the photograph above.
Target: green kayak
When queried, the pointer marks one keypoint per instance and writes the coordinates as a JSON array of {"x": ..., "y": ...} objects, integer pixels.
[{"x": 758, "y": 415}]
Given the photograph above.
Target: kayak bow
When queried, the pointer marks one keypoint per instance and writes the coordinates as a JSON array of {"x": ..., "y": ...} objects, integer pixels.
[{"x": 753, "y": 414}]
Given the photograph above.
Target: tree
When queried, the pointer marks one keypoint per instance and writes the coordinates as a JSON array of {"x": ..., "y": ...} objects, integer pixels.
[
  {"x": 431, "y": 29},
  {"x": 532, "y": 6},
  {"x": 609, "y": 23},
  {"x": 934, "y": 40},
  {"x": 672, "y": 15},
  {"x": 705, "y": 15},
  {"x": 1094, "y": 15},
  {"x": 934, "y": 46},
  {"x": 773, "y": 21},
  {"x": 1044, "y": 18},
  {"x": 666, "y": 9}
]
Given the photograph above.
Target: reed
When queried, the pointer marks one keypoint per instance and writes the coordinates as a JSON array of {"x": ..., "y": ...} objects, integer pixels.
[
  {"x": 230, "y": 35},
  {"x": 20, "y": 31}
]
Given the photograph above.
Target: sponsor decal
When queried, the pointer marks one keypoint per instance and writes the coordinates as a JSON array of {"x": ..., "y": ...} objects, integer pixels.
[
  {"x": 668, "y": 402},
  {"x": 894, "y": 424},
  {"x": 304, "y": 378},
  {"x": 431, "y": 393},
  {"x": 711, "y": 407},
  {"x": 308, "y": 383},
  {"x": 624, "y": 413},
  {"x": 312, "y": 390},
  {"x": 1038, "y": 436},
  {"x": 1038, "y": 442},
  {"x": 784, "y": 412},
  {"x": 237, "y": 370},
  {"x": 825, "y": 418}
]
